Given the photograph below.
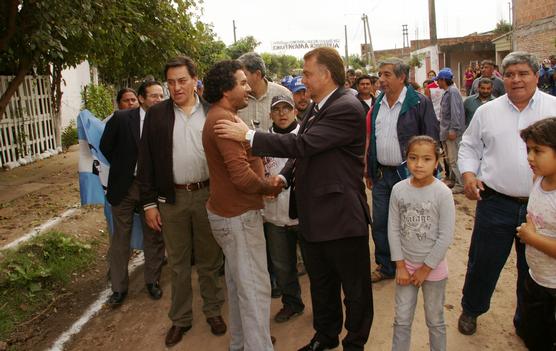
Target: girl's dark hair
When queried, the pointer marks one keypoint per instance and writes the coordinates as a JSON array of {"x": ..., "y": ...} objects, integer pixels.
[
  {"x": 219, "y": 79},
  {"x": 542, "y": 132},
  {"x": 418, "y": 139}
]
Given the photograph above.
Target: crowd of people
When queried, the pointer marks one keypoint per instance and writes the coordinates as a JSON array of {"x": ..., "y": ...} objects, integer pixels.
[{"x": 238, "y": 171}]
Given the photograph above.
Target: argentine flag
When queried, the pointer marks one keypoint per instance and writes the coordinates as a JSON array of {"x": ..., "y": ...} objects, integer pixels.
[{"x": 93, "y": 172}]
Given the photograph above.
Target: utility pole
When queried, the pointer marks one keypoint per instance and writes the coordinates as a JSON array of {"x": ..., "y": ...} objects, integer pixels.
[
  {"x": 372, "y": 52},
  {"x": 432, "y": 22},
  {"x": 346, "y": 34},
  {"x": 364, "y": 19},
  {"x": 405, "y": 36},
  {"x": 234, "y": 24},
  {"x": 509, "y": 13}
]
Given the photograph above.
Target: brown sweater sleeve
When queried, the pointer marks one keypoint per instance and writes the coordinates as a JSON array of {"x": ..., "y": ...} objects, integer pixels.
[{"x": 236, "y": 160}]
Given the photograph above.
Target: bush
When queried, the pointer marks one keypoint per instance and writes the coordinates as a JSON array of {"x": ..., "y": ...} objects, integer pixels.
[
  {"x": 32, "y": 275},
  {"x": 69, "y": 135},
  {"x": 98, "y": 100}
]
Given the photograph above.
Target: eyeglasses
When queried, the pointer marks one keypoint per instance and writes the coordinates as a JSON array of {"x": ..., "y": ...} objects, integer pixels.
[{"x": 281, "y": 110}]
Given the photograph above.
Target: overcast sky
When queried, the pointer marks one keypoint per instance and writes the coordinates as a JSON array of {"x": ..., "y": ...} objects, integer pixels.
[{"x": 287, "y": 20}]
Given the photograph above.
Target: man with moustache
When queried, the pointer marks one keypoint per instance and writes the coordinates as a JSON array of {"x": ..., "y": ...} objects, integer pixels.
[
  {"x": 493, "y": 162},
  {"x": 120, "y": 146},
  {"x": 174, "y": 180},
  {"x": 234, "y": 210},
  {"x": 325, "y": 172},
  {"x": 472, "y": 103},
  {"x": 487, "y": 71},
  {"x": 301, "y": 97}
]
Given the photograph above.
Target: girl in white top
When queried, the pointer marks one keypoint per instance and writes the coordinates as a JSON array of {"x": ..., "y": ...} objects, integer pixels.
[
  {"x": 538, "y": 327},
  {"x": 420, "y": 229}
]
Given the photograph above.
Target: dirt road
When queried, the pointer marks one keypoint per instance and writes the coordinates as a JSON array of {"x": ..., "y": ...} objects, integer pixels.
[{"x": 32, "y": 194}]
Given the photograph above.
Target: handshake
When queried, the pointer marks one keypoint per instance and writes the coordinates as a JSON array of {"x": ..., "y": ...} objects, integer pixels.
[{"x": 273, "y": 186}]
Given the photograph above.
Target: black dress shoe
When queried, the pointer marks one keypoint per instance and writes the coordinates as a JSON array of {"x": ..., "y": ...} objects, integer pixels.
[
  {"x": 155, "y": 292},
  {"x": 116, "y": 299},
  {"x": 316, "y": 345}
]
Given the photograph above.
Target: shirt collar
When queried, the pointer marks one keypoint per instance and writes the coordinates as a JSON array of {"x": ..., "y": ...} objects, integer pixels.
[
  {"x": 401, "y": 98},
  {"x": 142, "y": 113},
  {"x": 195, "y": 107},
  {"x": 323, "y": 101},
  {"x": 535, "y": 97}
]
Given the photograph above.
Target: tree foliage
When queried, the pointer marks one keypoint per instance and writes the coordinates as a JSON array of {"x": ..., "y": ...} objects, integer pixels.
[
  {"x": 502, "y": 27},
  {"x": 125, "y": 39},
  {"x": 242, "y": 46},
  {"x": 279, "y": 66}
]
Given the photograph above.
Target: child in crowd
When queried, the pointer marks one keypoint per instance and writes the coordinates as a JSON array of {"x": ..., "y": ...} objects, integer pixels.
[
  {"x": 420, "y": 229},
  {"x": 538, "y": 311}
]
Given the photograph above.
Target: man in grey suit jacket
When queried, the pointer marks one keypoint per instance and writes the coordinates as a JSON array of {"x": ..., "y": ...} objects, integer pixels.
[{"x": 325, "y": 173}]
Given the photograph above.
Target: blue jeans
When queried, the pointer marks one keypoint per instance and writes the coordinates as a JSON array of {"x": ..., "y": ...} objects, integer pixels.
[
  {"x": 243, "y": 243},
  {"x": 282, "y": 245},
  {"x": 406, "y": 301},
  {"x": 496, "y": 219},
  {"x": 382, "y": 189}
]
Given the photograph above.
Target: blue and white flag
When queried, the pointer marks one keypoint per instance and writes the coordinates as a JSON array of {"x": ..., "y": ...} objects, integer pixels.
[{"x": 93, "y": 172}]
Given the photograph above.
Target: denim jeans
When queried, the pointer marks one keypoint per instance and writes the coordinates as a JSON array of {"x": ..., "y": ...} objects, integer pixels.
[
  {"x": 382, "y": 189},
  {"x": 493, "y": 235},
  {"x": 406, "y": 301},
  {"x": 282, "y": 244},
  {"x": 243, "y": 243}
]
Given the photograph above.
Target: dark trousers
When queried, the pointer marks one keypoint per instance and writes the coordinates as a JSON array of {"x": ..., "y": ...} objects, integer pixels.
[
  {"x": 334, "y": 266},
  {"x": 493, "y": 235},
  {"x": 538, "y": 313},
  {"x": 382, "y": 189},
  {"x": 282, "y": 245},
  {"x": 118, "y": 253}
]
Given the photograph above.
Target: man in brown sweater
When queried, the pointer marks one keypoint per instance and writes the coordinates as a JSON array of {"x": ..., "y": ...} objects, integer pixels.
[{"x": 234, "y": 211}]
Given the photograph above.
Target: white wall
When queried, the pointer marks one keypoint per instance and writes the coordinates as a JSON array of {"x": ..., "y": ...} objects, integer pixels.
[
  {"x": 429, "y": 51},
  {"x": 75, "y": 79}
]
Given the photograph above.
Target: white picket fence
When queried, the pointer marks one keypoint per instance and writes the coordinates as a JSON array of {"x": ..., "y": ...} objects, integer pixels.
[{"x": 27, "y": 128}]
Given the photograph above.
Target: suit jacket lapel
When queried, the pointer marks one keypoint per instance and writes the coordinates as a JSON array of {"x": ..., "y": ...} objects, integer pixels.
[
  {"x": 135, "y": 122},
  {"x": 315, "y": 118}
]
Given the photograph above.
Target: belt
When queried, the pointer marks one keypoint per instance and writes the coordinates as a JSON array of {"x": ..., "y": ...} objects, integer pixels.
[
  {"x": 489, "y": 191},
  {"x": 390, "y": 168},
  {"x": 192, "y": 186}
]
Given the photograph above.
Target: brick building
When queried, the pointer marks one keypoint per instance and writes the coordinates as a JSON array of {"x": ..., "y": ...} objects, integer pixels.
[{"x": 535, "y": 27}]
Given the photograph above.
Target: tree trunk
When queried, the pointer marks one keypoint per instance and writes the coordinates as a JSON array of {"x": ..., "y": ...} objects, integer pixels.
[
  {"x": 24, "y": 67},
  {"x": 56, "y": 97}
]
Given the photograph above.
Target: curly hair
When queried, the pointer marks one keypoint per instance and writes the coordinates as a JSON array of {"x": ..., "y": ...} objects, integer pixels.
[{"x": 219, "y": 79}]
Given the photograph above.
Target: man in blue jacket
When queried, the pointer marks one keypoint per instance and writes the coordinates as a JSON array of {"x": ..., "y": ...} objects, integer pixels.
[{"x": 398, "y": 114}]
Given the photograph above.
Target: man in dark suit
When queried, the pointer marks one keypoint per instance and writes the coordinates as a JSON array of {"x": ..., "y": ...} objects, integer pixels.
[
  {"x": 325, "y": 173},
  {"x": 120, "y": 145}
]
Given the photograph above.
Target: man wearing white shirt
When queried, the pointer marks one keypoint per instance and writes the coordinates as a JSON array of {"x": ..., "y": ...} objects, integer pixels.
[
  {"x": 174, "y": 179},
  {"x": 493, "y": 161},
  {"x": 120, "y": 144}
]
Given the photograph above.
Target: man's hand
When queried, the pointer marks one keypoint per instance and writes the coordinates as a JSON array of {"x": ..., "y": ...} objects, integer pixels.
[
  {"x": 527, "y": 230},
  {"x": 420, "y": 275},
  {"x": 452, "y": 135},
  {"x": 152, "y": 217},
  {"x": 231, "y": 130},
  {"x": 273, "y": 186},
  {"x": 472, "y": 186},
  {"x": 402, "y": 275}
]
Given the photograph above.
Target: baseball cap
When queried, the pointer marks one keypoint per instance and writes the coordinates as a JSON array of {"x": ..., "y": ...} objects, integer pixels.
[
  {"x": 297, "y": 85},
  {"x": 445, "y": 73},
  {"x": 286, "y": 81},
  {"x": 281, "y": 98}
]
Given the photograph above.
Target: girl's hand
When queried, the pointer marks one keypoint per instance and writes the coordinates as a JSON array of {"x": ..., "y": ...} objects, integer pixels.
[
  {"x": 526, "y": 230},
  {"x": 420, "y": 275},
  {"x": 402, "y": 275}
]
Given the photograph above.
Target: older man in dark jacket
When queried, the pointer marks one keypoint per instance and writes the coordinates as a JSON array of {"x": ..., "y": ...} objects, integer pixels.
[{"x": 398, "y": 114}]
